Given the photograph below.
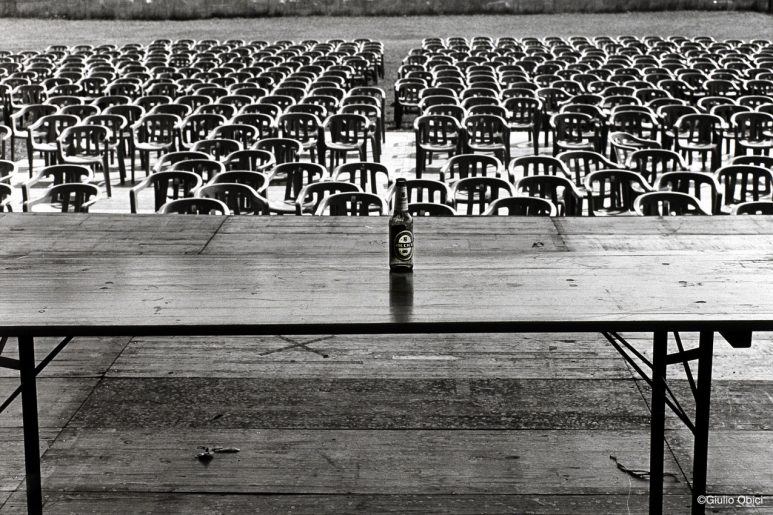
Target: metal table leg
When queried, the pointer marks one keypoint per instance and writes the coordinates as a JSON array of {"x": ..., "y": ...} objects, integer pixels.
[
  {"x": 657, "y": 434},
  {"x": 29, "y": 402},
  {"x": 702, "y": 411}
]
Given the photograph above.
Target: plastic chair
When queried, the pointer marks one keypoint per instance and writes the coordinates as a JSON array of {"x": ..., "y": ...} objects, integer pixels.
[
  {"x": 352, "y": 204},
  {"x": 345, "y": 133},
  {"x": 622, "y": 145},
  {"x": 204, "y": 168},
  {"x": 370, "y": 177},
  {"x": 197, "y": 127},
  {"x": 756, "y": 160},
  {"x": 241, "y": 199},
  {"x": 700, "y": 133},
  {"x": 575, "y": 131},
  {"x": 250, "y": 159},
  {"x": 305, "y": 128},
  {"x": 430, "y": 209},
  {"x": 761, "y": 207},
  {"x": 477, "y": 193},
  {"x": 579, "y": 163},
  {"x": 88, "y": 145},
  {"x": 5, "y": 198},
  {"x": 8, "y": 170},
  {"x": 154, "y": 133},
  {"x": 56, "y": 174},
  {"x": 702, "y": 186},
  {"x": 295, "y": 177},
  {"x": 650, "y": 163},
  {"x": 613, "y": 192},
  {"x": 195, "y": 206},
  {"x": 167, "y": 185},
  {"x": 284, "y": 150},
  {"x": 42, "y": 137},
  {"x": 67, "y": 198},
  {"x": 668, "y": 203},
  {"x": 218, "y": 148},
  {"x": 255, "y": 180},
  {"x": 487, "y": 133},
  {"x": 753, "y": 131},
  {"x": 521, "y": 206},
  {"x": 310, "y": 197},
  {"x": 743, "y": 183},
  {"x": 407, "y": 99},
  {"x": 115, "y": 143},
  {"x": 425, "y": 191},
  {"x": 264, "y": 124},
  {"x": 21, "y": 120},
  {"x": 435, "y": 133}
]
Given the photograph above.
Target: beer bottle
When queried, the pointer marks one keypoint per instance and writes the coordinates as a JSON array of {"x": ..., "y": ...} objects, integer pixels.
[{"x": 401, "y": 244}]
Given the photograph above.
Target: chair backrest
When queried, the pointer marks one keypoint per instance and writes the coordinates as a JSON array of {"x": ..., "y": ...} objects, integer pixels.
[
  {"x": 430, "y": 209},
  {"x": 218, "y": 148},
  {"x": 204, "y": 168},
  {"x": 240, "y": 198},
  {"x": 614, "y": 191},
  {"x": 425, "y": 190},
  {"x": 525, "y": 166},
  {"x": 700, "y": 185},
  {"x": 744, "y": 183},
  {"x": 668, "y": 203},
  {"x": 651, "y": 163},
  {"x": 167, "y": 185},
  {"x": 5, "y": 197},
  {"x": 310, "y": 197},
  {"x": 462, "y": 166},
  {"x": 352, "y": 204},
  {"x": 284, "y": 150},
  {"x": 168, "y": 160},
  {"x": 68, "y": 197},
  {"x": 761, "y": 207},
  {"x": 477, "y": 193},
  {"x": 157, "y": 128},
  {"x": 521, "y": 206},
  {"x": 84, "y": 141},
  {"x": 297, "y": 175},
  {"x": 756, "y": 160},
  {"x": 195, "y": 206},
  {"x": 370, "y": 177},
  {"x": 579, "y": 163}
]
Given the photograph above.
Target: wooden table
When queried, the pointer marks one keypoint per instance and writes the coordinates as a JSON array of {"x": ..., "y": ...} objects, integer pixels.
[{"x": 88, "y": 275}]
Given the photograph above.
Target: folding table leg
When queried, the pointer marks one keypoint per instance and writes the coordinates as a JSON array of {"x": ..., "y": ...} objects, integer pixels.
[
  {"x": 29, "y": 404},
  {"x": 657, "y": 434},
  {"x": 702, "y": 409}
]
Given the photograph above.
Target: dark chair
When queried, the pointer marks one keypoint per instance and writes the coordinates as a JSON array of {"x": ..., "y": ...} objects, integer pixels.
[
  {"x": 622, "y": 145},
  {"x": 753, "y": 131},
  {"x": 309, "y": 198},
  {"x": 462, "y": 166},
  {"x": 668, "y": 203},
  {"x": 430, "y": 209},
  {"x": 204, "y": 168},
  {"x": 241, "y": 199},
  {"x": 154, "y": 133},
  {"x": 195, "y": 206},
  {"x": 702, "y": 186},
  {"x": 352, "y": 204},
  {"x": 651, "y": 163},
  {"x": 218, "y": 148},
  {"x": 346, "y": 133},
  {"x": 436, "y": 134},
  {"x": 477, "y": 193},
  {"x": 560, "y": 191},
  {"x": 284, "y": 150},
  {"x": 521, "y": 206},
  {"x": 5, "y": 198},
  {"x": 67, "y": 198},
  {"x": 250, "y": 159},
  {"x": 168, "y": 160},
  {"x": 167, "y": 185},
  {"x": 370, "y": 177},
  {"x": 88, "y": 145},
  {"x": 305, "y": 128},
  {"x": 700, "y": 133},
  {"x": 294, "y": 176},
  {"x": 575, "y": 131},
  {"x": 525, "y": 166},
  {"x": 613, "y": 192},
  {"x": 761, "y": 207},
  {"x": 56, "y": 174},
  {"x": 524, "y": 114},
  {"x": 255, "y": 180},
  {"x": 743, "y": 183}
]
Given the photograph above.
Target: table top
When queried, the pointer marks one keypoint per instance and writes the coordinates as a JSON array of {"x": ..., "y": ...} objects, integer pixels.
[{"x": 150, "y": 274}]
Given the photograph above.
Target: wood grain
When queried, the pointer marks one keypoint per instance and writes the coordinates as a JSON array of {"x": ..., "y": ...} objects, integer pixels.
[{"x": 331, "y": 274}]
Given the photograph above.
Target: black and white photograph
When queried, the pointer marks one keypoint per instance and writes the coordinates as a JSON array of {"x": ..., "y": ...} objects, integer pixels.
[{"x": 361, "y": 257}]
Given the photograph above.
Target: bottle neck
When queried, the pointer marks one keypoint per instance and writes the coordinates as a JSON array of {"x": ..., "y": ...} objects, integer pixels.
[{"x": 401, "y": 198}]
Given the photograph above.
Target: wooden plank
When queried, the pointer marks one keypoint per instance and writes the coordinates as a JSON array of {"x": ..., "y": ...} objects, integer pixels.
[
  {"x": 12, "y": 466},
  {"x": 459, "y": 356},
  {"x": 739, "y": 461},
  {"x": 363, "y": 404},
  {"x": 82, "y": 357},
  {"x": 357, "y": 462},
  {"x": 675, "y": 226},
  {"x": 754, "y": 364},
  {"x": 162, "y": 504},
  {"x": 58, "y": 400},
  {"x": 137, "y": 293}
]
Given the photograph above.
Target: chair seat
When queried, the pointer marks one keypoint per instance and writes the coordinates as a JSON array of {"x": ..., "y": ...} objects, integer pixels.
[
  {"x": 438, "y": 147},
  {"x": 344, "y": 146},
  {"x": 283, "y": 207}
]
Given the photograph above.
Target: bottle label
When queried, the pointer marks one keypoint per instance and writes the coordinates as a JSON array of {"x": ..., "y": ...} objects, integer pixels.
[{"x": 403, "y": 243}]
